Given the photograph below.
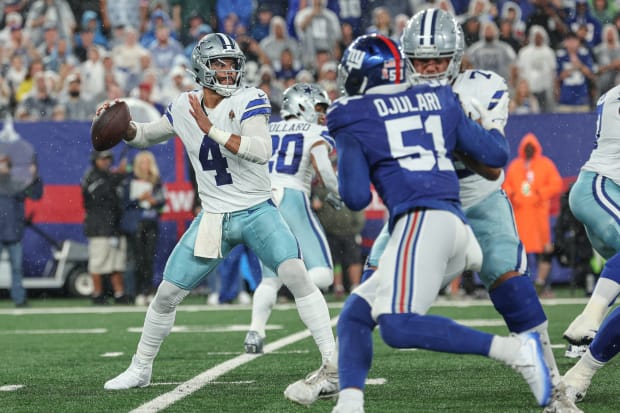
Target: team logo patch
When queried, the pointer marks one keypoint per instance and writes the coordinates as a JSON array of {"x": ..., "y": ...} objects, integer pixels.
[{"x": 355, "y": 59}]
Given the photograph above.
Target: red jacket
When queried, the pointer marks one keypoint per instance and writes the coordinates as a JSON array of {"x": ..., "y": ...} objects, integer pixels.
[{"x": 530, "y": 185}]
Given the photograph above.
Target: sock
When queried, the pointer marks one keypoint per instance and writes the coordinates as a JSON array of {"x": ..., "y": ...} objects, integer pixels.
[
  {"x": 605, "y": 344},
  {"x": 431, "y": 332},
  {"x": 351, "y": 397},
  {"x": 604, "y": 294},
  {"x": 314, "y": 313},
  {"x": 264, "y": 299},
  {"x": 586, "y": 367},
  {"x": 504, "y": 348},
  {"x": 355, "y": 327},
  {"x": 156, "y": 327},
  {"x": 516, "y": 300}
]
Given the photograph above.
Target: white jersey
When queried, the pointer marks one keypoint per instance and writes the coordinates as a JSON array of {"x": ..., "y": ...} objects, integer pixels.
[
  {"x": 487, "y": 87},
  {"x": 290, "y": 165},
  {"x": 605, "y": 157},
  {"x": 226, "y": 183}
]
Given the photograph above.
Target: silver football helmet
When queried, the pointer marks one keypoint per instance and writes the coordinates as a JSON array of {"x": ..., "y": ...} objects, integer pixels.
[
  {"x": 210, "y": 48},
  {"x": 300, "y": 99},
  {"x": 433, "y": 33}
]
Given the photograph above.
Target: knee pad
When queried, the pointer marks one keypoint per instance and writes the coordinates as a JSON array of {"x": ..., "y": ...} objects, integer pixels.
[
  {"x": 322, "y": 277},
  {"x": 168, "y": 297},
  {"x": 294, "y": 275}
]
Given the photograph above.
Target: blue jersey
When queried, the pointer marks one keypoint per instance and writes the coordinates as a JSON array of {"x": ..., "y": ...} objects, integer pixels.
[{"x": 402, "y": 140}]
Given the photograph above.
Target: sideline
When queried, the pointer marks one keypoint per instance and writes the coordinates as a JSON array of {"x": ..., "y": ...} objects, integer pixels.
[{"x": 208, "y": 376}]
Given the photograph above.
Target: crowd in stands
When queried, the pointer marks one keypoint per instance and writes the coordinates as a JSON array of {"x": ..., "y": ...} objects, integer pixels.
[{"x": 61, "y": 58}]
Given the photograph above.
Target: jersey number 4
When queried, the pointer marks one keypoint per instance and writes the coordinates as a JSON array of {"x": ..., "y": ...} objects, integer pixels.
[
  {"x": 402, "y": 132},
  {"x": 211, "y": 159}
]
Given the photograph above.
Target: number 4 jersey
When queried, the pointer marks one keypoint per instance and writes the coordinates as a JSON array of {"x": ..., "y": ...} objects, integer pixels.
[
  {"x": 226, "y": 182},
  {"x": 290, "y": 165},
  {"x": 405, "y": 137}
]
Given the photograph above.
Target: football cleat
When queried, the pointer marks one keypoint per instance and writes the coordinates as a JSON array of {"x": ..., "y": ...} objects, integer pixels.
[
  {"x": 319, "y": 384},
  {"x": 530, "y": 363},
  {"x": 137, "y": 375},
  {"x": 575, "y": 352},
  {"x": 581, "y": 331},
  {"x": 561, "y": 402},
  {"x": 253, "y": 343}
]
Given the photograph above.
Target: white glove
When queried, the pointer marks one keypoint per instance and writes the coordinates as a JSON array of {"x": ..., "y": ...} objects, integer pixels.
[
  {"x": 495, "y": 118},
  {"x": 334, "y": 200}
]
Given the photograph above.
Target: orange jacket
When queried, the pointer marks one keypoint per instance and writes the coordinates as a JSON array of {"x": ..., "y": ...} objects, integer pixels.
[{"x": 530, "y": 185}]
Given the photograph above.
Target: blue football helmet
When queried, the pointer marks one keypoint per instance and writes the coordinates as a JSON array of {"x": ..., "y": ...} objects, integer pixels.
[
  {"x": 210, "y": 48},
  {"x": 371, "y": 60}
]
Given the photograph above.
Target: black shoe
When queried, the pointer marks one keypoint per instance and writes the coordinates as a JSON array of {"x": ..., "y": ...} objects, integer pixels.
[
  {"x": 123, "y": 299},
  {"x": 99, "y": 300}
]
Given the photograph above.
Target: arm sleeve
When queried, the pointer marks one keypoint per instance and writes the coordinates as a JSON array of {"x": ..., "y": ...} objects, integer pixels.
[
  {"x": 152, "y": 132},
  {"x": 353, "y": 173},
  {"x": 255, "y": 145},
  {"x": 324, "y": 167},
  {"x": 489, "y": 147}
]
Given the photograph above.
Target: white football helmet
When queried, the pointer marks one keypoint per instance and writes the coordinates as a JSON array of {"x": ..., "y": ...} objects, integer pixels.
[
  {"x": 211, "y": 47},
  {"x": 433, "y": 33},
  {"x": 300, "y": 99}
]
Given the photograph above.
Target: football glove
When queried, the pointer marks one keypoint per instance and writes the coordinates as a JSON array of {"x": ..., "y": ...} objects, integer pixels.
[{"x": 495, "y": 118}]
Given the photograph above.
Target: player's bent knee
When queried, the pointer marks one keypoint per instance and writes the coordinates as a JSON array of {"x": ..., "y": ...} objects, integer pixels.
[
  {"x": 168, "y": 297},
  {"x": 391, "y": 328},
  {"x": 293, "y": 274},
  {"x": 322, "y": 277}
]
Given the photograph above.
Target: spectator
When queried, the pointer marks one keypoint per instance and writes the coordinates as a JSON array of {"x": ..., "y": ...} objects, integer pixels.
[
  {"x": 550, "y": 18},
  {"x": 126, "y": 13},
  {"x": 107, "y": 247},
  {"x": 24, "y": 88},
  {"x": 92, "y": 72},
  {"x": 259, "y": 27},
  {"x": 471, "y": 31},
  {"x": 523, "y": 101},
  {"x": 163, "y": 50},
  {"x": 91, "y": 22},
  {"x": 506, "y": 35},
  {"x": 536, "y": 63},
  {"x": 286, "y": 67},
  {"x": 187, "y": 15},
  {"x": 355, "y": 15},
  {"x": 50, "y": 12},
  {"x": 76, "y": 107},
  {"x": 574, "y": 74},
  {"x": 243, "y": 9},
  {"x": 581, "y": 16},
  {"x": 381, "y": 22},
  {"x": 317, "y": 29},
  {"x": 607, "y": 56},
  {"x": 13, "y": 192},
  {"x": 144, "y": 199},
  {"x": 86, "y": 41},
  {"x": 603, "y": 11},
  {"x": 158, "y": 18},
  {"x": 278, "y": 40},
  {"x": 39, "y": 103},
  {"x": 512, "y": 12},
  {"x": 532, "y": 180},
  {"x": 127, "y": 54},
  {"x": 490, "y": 53},
  {"x": 178, "y": 84},
  {"x": 194, "y": 36}
]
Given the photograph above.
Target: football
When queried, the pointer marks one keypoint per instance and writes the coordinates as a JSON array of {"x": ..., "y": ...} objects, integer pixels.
[{"x": 110, "y": 127}]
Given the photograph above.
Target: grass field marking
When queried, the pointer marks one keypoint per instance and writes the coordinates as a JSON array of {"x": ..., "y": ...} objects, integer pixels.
[
  {"x": 210, "y": 329},
  {"x": 230, "y": 353},
  {"x": 213, "y": 382},
  {"x": 57, "y": 331},
  {"x": 209, "y": 376},
  {"x": 11, "y": 387},
  {"x": 112, "y": 354}
]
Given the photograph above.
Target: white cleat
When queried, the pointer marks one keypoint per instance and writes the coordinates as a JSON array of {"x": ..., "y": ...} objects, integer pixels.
[
  {"x": 136, "y": 375},
  {"x": 320, "y": 384},
  {"x": 575, "y": 352},
  {"x": 530, "y": 363},
  {"x": 561, "y": 402},
  {"x": 581, "y": 331}
]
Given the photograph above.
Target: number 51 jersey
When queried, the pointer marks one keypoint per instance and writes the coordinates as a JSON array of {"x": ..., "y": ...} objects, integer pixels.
[{"x": 407, "y": 138}]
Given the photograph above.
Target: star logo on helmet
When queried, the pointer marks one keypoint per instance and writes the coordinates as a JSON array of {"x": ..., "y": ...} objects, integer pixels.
[{"x": 307, "y": 90}]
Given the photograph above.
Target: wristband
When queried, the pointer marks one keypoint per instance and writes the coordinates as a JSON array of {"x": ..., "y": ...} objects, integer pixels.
[{"x": 218, "y": 135}]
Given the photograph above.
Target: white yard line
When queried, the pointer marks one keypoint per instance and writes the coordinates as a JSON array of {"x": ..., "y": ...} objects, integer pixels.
[{"x": 209, "y": 376}]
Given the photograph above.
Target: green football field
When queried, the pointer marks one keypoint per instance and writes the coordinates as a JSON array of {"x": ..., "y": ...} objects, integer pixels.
[{"x": 56, "y": 355}]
